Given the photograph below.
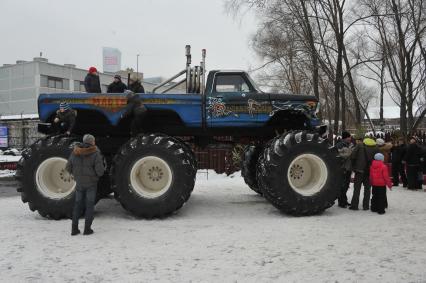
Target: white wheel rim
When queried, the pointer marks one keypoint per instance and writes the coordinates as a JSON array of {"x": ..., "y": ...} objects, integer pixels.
[
  {"x": 151, "y": 177},
  {"x": 307, "y": 174},
  {"x": 53, "y": 180}
]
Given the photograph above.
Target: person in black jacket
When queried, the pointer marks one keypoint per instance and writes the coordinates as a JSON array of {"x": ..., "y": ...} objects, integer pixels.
[
  {"x": 117, "y": 86},
  {"x": 135, "y": 85},
  {"x": 91, "y": 82},
  {"x": 136, "y": 110},
  {"x": 362, "y": 156},
  {"x": 413, "y": 159},
  {"x": 398, "y": 169},
  {"x": 345, "y": 148},
  {"x": 86, "y": 164},
  {"x": 65, "y": 119}
]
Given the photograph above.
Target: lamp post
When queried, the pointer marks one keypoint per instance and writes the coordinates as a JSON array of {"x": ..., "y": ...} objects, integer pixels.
[{"x": 137, "y": 66}]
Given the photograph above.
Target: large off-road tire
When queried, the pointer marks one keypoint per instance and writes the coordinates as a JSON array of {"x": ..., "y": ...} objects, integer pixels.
[
  {"x": 249, "y": 161},
  {"x": 42, "y": 179},
  {"x": 153, "y": 175},
  {"x": 300, "y": 174}
]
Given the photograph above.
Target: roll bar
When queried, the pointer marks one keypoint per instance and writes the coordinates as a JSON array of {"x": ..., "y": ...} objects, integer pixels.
[{"x": 194, "y": 76}]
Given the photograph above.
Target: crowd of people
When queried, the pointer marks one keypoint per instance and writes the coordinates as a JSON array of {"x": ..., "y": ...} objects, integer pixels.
[
  {"x": 366, "y": 157},
  {"x": 92, "y": 83}
]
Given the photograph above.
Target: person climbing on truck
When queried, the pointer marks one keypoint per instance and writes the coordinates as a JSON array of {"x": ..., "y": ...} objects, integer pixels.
[
  {"x": 136, "y": 110},
  {"x": 135, "y": 84},
  {"x": 65, "y": 119},
  {"x": 91, "y": 82},
  {"x": 117, "y": 86}
]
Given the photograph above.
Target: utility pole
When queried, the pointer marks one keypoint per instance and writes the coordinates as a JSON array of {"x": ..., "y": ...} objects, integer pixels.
[{"x": 137, "y": 66}]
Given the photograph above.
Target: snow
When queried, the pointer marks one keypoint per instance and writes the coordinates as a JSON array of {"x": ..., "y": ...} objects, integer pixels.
[
  {"x": 224, "y": 233},
  {"x": 7, "y": 173},
  {"x": 19, "y": 117},
  {"x": 9, "y": 158}
]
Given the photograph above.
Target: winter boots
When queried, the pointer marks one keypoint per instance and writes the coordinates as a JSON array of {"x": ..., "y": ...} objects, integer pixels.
[
  {"x": 88, "y": 231},
  {"x": 75, "y": 231}
]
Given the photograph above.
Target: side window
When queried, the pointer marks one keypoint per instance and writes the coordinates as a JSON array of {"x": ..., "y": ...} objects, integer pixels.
[{"x": 231, "y": 83}]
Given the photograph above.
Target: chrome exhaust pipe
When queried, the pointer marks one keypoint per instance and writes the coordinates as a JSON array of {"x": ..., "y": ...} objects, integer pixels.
[
  {"x": 203, "y": 71},
  {"x": 188, "y": 67}
]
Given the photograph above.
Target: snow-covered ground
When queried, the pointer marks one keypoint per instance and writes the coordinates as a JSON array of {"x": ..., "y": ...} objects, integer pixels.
[
  {"x": 224, "y": 233},
  {"x": 7, "y": 173},
  {"x": 9, "y": 158}
]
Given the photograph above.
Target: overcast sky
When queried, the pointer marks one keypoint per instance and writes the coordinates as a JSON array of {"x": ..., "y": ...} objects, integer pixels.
[{"x": 75, "y": 32}]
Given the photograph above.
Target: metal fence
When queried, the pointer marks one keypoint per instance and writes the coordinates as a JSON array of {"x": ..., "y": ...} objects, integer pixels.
[{"x": 23, "y": 133}]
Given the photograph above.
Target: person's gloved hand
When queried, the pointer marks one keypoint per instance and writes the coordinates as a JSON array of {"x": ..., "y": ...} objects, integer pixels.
[
  {"x": 68, "y": 133},
  {"x": 56, "y": 120},
  {"x": 421, "y": 159}
]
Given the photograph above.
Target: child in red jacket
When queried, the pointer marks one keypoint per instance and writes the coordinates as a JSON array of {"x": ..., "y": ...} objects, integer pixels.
[{"x": 379, "y": 179}]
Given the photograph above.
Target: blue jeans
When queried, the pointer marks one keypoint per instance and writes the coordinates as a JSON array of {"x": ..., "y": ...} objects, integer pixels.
[{"x": 84, "y": 198}]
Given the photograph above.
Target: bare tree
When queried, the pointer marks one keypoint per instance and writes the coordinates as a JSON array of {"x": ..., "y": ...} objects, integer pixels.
[{"x": 400, "y": 34}]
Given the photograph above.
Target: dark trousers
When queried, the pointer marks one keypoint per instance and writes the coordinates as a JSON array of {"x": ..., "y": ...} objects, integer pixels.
[
  {"x": 413, "y": 177},
  {"x": 379, "y": 200},
  {"x": 398, "y": 170},
  {"x": 343, "y": 199},
  {"x": 361, "y": 179},
  {"x": 59, "y": 128},
  {"x": 84, "y": 198}
]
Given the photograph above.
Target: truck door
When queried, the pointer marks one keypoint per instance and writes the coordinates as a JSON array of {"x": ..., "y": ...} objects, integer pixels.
[{"x": 233, "y": 101}]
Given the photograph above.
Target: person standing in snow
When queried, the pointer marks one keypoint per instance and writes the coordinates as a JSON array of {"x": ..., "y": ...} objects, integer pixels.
[
  {"x": 362, "y": 156},
  {"x": 86, "y": 164},
  {"x": 379, "y": 179},
  {"x": 398, "y": 169},
  {"x": 345, "y": 148},
  {"x": 117, "y": 86},
  {"x": 413, "y": 158},
  {"x": 91, "y": 82}
]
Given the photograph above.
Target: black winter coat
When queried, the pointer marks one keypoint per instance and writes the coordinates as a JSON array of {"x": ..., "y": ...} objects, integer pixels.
[
  {"x": 413, "y": 155},
  {"x": 86, "y": 165},
  {"x": 92, "y": 84},
  {"x": 362, "y": 156},
  {"x": 66, "y": 119},
  {"x": 135, "y": 106},
  {"x": 137, "y": 87},
  {"x": 117, "y": 87},
  {"x": 397, "y": 153}
]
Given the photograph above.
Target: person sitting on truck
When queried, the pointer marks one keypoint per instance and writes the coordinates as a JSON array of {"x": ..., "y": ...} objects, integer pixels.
[
  {"x": 91, "y": 82},
  {"x": 135, "y": 84},
  {"x": 135, "y": 109},
  {"x": 65, "y": 119},
  {"x": 117, "y": 86}
]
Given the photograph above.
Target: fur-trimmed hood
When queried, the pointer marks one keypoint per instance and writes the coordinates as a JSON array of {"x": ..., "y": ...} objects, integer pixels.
[{"x": 85, "y": 149}]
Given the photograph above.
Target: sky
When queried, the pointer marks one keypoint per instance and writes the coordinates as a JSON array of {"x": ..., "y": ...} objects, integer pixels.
[{"x": 75, "y": 32}]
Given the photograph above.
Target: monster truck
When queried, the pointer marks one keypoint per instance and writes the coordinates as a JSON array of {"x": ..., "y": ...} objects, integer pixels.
[{"x": 153, "y": 173}]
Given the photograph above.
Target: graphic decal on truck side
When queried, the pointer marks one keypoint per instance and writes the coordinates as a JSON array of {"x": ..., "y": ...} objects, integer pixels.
[{"x": 216, "y": 108}]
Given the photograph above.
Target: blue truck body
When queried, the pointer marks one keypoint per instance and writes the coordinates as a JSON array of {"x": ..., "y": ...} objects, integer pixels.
[{"x": 231, "y": 105}]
